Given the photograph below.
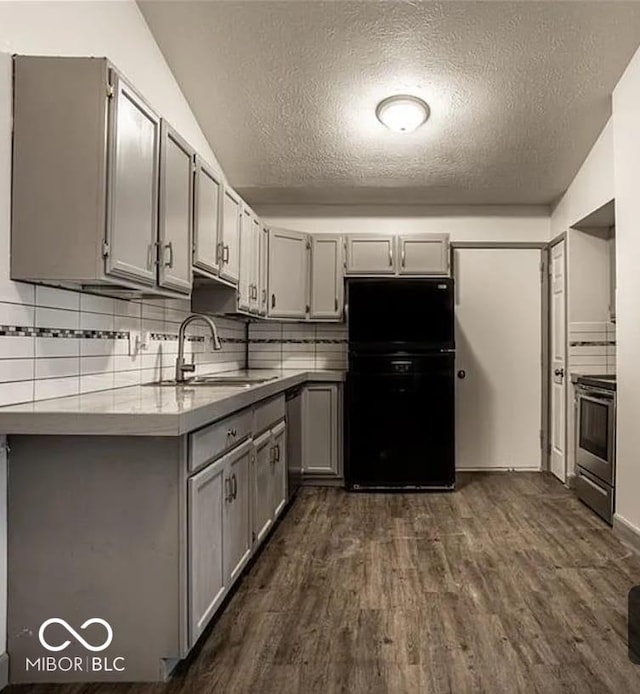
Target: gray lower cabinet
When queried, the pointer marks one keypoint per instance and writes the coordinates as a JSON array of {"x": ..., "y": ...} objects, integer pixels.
[
  {"x": 322, "y": 430},
  {"x": 207, "y": 501},
  {"x": 219, "y": 535},
  {"x": 269, "y": 480},
  {"x": 237, "y": 519}
]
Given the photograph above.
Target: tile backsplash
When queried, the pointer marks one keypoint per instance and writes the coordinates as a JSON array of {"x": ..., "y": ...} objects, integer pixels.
[
  {"x": 297, "y": 346},
  {"x": 55, "y": 342},
  {"x": 592, "y": 348}
]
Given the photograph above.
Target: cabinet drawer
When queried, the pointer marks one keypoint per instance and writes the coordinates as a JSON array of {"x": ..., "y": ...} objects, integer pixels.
[
  {"x": 211, "y": 441},
  {"x": 268, "y": 413},
  {"x": 595, "y": 494}
]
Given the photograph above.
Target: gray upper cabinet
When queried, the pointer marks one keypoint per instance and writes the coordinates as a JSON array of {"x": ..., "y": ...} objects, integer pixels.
[
  {"x": 288, "y": 274},
  {"x": 86, "y": 182},
  {"x": 208, "y": 190},
  {"x": 327, "y": 277},
  {"x": 247, "y": 260},
  {"x": 229, "y": 244},
  {"x": 371, "y": 254},
  {"x": 176, "y": 211},
  {"x": 264, "y": 270},
  {"x": 424, "y": 254},
  {"x": 132, "y": 192}
]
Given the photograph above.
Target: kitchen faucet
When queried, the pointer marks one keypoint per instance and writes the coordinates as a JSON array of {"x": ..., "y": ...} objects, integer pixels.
[{"x": 181, "y": 366}]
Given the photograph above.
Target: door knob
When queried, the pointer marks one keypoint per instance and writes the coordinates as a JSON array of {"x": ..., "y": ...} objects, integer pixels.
[
  {"x": 559, "y": 373},
  {"x": 462, "y": 374}
]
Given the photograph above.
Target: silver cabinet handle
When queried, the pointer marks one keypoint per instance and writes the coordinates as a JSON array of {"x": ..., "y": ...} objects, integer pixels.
[
  {"x": 152, "y": 255},
  {"x": 277, "y": 452},
  {"x": 335, "y": 304},
  {"x": 169, "y": 246},
  {"x": 220, "y": 252},
  {"x": 228, "y": 495},
  {"x": 264, "y": 297},
  {"x": 272, "y": 455},
  {"x": 403, "y": 256},
  {"x": 235, "y": 485},
  {"x": 390, "y": 255},
  {"x": 273, "y": 301},
  {"x": 225, "y": 253}
]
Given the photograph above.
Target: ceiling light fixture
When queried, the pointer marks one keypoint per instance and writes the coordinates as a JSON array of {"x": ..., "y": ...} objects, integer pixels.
[{"x": 403, "y": 113}]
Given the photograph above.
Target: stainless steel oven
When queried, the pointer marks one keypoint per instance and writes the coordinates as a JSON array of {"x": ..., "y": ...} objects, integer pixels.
[{"x": 596, "y": 443}]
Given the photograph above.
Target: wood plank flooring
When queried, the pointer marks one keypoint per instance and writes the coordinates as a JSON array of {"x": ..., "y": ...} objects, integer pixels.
[{"x": 507, "y": 585}]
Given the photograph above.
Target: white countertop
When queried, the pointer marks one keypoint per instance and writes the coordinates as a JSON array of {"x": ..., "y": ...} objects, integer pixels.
[{"x": 149, "y": 410}]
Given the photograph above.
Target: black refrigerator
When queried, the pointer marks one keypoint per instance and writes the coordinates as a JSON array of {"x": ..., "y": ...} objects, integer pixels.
[{"x": 400, "y": 416}]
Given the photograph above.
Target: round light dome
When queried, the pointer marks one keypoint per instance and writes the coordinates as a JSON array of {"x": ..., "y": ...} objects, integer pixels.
[{"x": 403, "y": 113}]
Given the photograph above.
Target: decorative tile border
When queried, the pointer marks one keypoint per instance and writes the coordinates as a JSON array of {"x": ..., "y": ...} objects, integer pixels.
[
  {"x": 24, "y": 331},
  {"x": 29, "y": 331}
]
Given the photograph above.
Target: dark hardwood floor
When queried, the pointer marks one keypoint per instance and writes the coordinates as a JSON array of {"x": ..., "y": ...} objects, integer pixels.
[{"x": 507, "y": 585}]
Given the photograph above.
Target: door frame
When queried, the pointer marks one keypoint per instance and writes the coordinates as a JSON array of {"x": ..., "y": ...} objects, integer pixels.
[
  {"x": 560, "y": 238},
  {"x": 545, "y": 314}
]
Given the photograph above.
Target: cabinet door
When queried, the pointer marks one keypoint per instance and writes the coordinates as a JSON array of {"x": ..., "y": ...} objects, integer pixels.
[
  {"x": 206, "y": 218},
  {"x": 207, "y": 499},
  {"x": 254, "y": 292},
  {"x": 262, "y": 502},
  {"x": 245, "y": 281},
  {"x": 423, "y": 254},
  {"x": 132, "y": 191},
  {"x": 264, "y": 266},
  {"x": 229, "y": 256},
  {"x": 279, "y": 469},
  {"x": 321, "y": 425},
  {"x": 372, "y": 254},
  {"x": 237, "y": 512},
  {"x": 176, "y": 212},
  {"x": 288, "y": 274},
  {"x": 327, "y": 283}
]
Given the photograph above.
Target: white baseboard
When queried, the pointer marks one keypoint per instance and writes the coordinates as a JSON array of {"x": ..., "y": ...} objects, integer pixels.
[
  {"x": 498, "y": 469},
  {"x": 626, "y": 532},
  {"x": 4, "y": 670}
]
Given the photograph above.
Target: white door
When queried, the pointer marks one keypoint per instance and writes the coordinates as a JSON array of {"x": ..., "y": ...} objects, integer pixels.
[
  {"x": 558, "y": 418},
  {"x": 498, "y": 351},
  {"x": 229, "y": 253},
  {"x": 207, "y": 499},
  {"x": 176, "y": 212},
  {"x": 288, "y": 273},
  {"x": 262, "y": 510},
  {"x": 237, "y": 511},
  {"x": 371, "y": 254},
  {"x": 424, "y": 254},
  {"x": 279, "y": 469},
  {"x": 326, "y": 300},
  {"x": 206, "y": 218}
]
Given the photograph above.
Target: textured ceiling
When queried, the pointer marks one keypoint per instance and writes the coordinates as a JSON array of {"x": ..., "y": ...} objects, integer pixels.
[{"x": 286, "y": 94}]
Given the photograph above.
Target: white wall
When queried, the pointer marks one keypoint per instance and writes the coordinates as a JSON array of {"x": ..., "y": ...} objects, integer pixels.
[
  {"x": 46, "y": 367},
  {"x": 626, "y": 113},
  {"x": 471, "y": 223},
  {"x": 114, "y": 29},
  {"x": 592, "y": 187}
]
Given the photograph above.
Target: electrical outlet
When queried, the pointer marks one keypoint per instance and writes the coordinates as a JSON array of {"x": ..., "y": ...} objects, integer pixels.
[{"x": 137, "y": 342}]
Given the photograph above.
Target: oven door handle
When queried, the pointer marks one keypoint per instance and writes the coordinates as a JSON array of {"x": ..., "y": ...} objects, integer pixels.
[{"x": 604, "y": 400}]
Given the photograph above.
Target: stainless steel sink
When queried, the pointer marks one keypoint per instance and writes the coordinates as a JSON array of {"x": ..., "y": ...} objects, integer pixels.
[{"x": 219, "y": 380}]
